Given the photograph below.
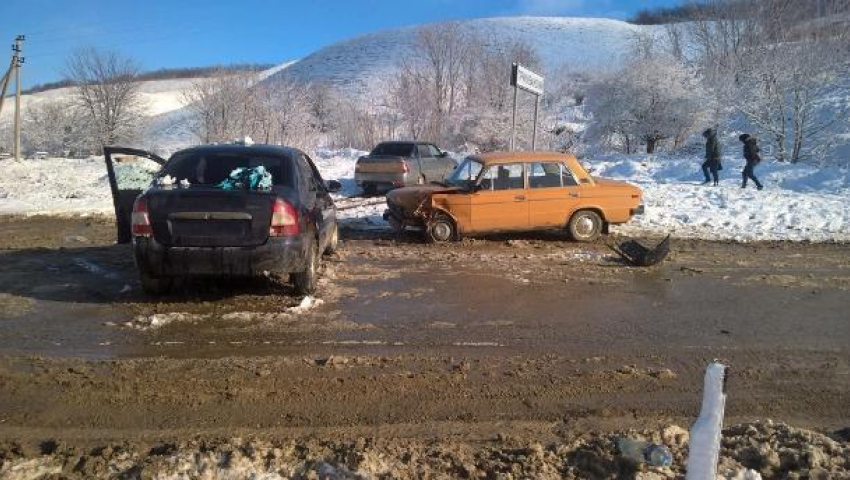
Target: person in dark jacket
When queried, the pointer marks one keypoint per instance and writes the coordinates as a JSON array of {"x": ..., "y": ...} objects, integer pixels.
[
  {"x": 751, "y": 155},
  {"x": 712, "y": 156}
]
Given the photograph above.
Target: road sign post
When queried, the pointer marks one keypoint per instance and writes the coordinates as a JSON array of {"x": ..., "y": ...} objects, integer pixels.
[{"x": 525, "y": 79}]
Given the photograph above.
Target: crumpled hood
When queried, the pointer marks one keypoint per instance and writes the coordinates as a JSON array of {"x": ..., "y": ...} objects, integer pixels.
[{"x": 409, "y": 198}]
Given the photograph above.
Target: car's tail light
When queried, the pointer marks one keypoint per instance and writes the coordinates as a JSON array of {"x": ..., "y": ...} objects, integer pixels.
[
  {"x": 284, "y": 220},
  {"x": 141, "y": 222}
]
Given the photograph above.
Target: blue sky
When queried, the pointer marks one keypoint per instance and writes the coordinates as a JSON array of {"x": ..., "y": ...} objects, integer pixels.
[{"x": 180, "y": 33}]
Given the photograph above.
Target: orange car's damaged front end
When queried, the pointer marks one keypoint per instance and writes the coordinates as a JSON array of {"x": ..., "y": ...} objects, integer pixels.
[{"x": 515, "y": 191}]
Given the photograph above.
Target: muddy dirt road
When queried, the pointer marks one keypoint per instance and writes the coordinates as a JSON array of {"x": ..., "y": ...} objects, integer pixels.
[{"x": 528, "y": 338}]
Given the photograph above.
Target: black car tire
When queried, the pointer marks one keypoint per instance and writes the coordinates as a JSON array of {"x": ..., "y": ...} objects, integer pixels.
[
  {"x": 155, "y": 286},
  {"x": 333, "y": 242},
  {"x": 441, "y": 229},
  {"x": 370, "y": 190},
  {"x": 585, "y": 226},
  {"x": 305, "y": 282}
]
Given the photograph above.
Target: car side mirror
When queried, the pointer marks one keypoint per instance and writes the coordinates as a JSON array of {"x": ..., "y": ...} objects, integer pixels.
[
  {"x": 333, "y": 186},
  {"x": 443, "y": 155}
]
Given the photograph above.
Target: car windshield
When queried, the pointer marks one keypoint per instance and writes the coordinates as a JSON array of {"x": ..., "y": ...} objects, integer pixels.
[
  {"x": 395, "y": 149},
  {"x": 211, "y": 168},
  {"x": 466, "y": 173}
]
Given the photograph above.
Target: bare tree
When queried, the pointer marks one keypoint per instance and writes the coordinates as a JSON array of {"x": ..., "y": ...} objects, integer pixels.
[
  {"x": 651, "y": 100},
  {"x": 219, "y": 106},
  {"x": 285, "y": 105},
  {"x": 105, "y": 87},
  {"x": 454, "y": 88},
  {"x": 773, "y": 62},
  {"x": 323, "y": 100},
  {"x": 356, "y": 124},
  {"x": 60, "y": 127},
  {"x": 435, "y": 72}
]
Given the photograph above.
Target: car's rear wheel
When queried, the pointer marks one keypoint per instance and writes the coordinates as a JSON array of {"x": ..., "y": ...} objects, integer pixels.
[
  {"x": 441, "y": 229},
  {"x": 333, "y": 242},
  {"x": 154, "y": 285},
  {"x": 305, "y": 282},
  {"x": 585, "y": 226},
  {"x": 370, "y": 189}
]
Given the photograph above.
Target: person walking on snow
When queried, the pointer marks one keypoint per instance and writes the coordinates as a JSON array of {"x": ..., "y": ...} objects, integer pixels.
[
  {"x": 751, "y": 155},
  {"x": 712, "y": 156}
]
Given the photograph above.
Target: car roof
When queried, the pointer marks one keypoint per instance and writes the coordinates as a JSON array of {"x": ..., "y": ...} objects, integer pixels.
[
  {"x": 257, "y": 148},
  {"x": 405, "y": 142},
  {"x": 496, "y": 158}
]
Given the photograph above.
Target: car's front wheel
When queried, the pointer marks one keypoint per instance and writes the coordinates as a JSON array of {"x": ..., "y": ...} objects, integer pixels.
[
  {"x": 585, "y": 226},
  {"x": 305, "y": 282},
  {"x": 441, "y": 229},
  {"x": 155, "y": 285}
]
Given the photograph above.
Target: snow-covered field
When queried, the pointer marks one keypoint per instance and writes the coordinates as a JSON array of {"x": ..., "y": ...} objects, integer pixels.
[{"x": 799, "y": 202}]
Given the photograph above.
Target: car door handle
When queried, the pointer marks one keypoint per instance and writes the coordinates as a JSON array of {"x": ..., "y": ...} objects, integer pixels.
[
  {"x": 519, "y": 198},
  {"x": 574, "y": 195}
]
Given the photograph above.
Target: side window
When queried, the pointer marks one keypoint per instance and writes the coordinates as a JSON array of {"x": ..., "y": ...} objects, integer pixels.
[
  {"x": 313, "y": 173},
  {"x": 504, "y": 177},
  {"x": 567, "y": 177},
  {"x": 435, "y": 152},
  {"x": 305, "y": 174},
  {"x": 423, "y": 151},
  {"x": 545, "y": 175}
]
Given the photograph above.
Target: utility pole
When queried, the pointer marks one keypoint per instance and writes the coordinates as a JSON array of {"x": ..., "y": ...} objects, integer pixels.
[{"x": 17, "y": 61}]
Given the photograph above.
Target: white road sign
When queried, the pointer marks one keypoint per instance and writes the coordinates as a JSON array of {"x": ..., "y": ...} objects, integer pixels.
[{"x": 527, "y": 80}]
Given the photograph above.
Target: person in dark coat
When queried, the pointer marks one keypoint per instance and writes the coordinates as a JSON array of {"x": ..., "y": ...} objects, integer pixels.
[
  {"x": 712, "y": 156},
  {"x": 751, "y": 155}
]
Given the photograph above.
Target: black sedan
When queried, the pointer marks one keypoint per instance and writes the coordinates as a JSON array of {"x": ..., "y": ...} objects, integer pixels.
[{"x": 223, "y": 210}]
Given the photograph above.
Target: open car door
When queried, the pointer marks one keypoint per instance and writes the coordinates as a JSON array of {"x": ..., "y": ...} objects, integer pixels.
[{"x": 130, "y": 172}]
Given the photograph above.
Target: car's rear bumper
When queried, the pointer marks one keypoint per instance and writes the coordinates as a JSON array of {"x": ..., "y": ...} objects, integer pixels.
[
  {"x": 277, "y": 256},
  {"x": 384, "y": 180}
]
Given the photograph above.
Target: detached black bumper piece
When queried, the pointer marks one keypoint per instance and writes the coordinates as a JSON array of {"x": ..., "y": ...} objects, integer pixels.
[
  {"x": 639, "y": 210},
  {"x": 277, "y": 256}
]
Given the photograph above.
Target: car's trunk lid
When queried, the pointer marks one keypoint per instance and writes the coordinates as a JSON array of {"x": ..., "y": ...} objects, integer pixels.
[
  {"x": 615, "y": 187},
  {"x": 210, "y": 217},
  {"x": 380, "y": 164}
]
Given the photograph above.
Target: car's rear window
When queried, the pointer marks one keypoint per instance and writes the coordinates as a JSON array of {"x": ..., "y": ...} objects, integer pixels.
[
  {"x": 212, "y": 168},
  {"x": 396, "y": 149}
]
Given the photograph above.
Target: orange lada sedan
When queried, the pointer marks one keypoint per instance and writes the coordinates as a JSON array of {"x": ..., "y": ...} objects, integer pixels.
[{"x": 515, "y": 191}]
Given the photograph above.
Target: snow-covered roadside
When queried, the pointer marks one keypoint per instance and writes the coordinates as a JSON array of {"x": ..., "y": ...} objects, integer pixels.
[
  {"x": 54, "y": 186},
  {"x": 799, "y": 202}
]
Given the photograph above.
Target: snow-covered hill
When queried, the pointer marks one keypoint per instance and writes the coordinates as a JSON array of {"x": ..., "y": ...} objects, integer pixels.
[{"x": 582, "y": 44}]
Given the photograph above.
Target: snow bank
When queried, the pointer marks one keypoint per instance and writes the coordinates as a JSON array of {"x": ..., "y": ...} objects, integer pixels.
[
  {"x": 799, "y": 203},
  {"x": 54, "y": 186}
]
